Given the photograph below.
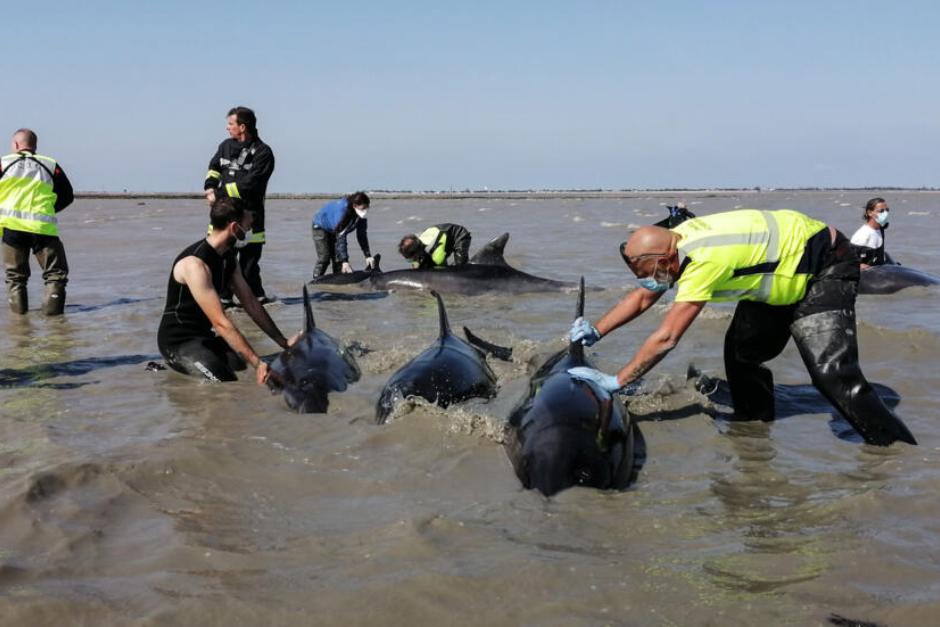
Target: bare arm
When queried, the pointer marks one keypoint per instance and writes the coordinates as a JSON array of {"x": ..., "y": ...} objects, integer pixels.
[
  {"x": 679, "y": 318},
  {"x": 195, "y": 274},
  {"x": 255, "y": 310},
  {"x": 631, "y": 306}
]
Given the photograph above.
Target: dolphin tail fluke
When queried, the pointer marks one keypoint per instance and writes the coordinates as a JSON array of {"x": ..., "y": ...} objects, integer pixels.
[
  {"x": 492, "y": 253},
  {"x": 499, "y": 352},
  {"x": 576, "y": 349},
  {"x": 310, "y": 324},
  {"x": 442, "y": 312}
]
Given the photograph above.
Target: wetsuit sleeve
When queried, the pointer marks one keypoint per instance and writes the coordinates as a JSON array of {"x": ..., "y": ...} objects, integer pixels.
[
  {"x": 257, "y": 177},
  {"x": 362, "y": 236},
  {"x": 214, "y": 175},
  {"x": 62, "y": 188},
  {"x": 698, "y": 281}
]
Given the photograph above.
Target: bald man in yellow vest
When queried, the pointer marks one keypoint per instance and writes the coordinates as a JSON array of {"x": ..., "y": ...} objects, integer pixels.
[
  {"x": 33, "y": 189},
  {"x": 791, "y": 275}
]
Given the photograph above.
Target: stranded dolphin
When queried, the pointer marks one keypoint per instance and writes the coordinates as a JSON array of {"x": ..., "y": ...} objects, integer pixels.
[
  {"x": 890, "y": 278},
  {"x": 566, "y": 433},
  {"x": 351, "y": 278},
  {"x": 449, "y": 371},
  {"x": 487, "y": 271},
  {"x": 313, "y": 367}
]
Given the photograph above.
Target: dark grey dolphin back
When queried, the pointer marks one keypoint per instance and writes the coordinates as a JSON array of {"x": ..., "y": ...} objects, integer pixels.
[{"x": 314, "y": 366}]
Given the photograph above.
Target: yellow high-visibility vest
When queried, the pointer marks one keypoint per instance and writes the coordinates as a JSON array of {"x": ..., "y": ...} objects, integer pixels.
[
  {"x": 745, "y": 255},
  {"x": 27, "y": 202}
]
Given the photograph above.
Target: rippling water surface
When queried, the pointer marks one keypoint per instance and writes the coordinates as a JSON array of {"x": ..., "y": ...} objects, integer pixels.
[{"x": 135, "y": 496}]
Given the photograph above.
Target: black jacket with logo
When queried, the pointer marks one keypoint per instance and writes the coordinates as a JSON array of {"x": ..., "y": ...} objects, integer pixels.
[{"x": 241, "y": 170}]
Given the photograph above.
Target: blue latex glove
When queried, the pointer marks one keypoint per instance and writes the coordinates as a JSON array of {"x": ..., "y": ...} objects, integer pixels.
[
  {"x": 584, "y": 331},
  {"x": 599, "y": 380}
]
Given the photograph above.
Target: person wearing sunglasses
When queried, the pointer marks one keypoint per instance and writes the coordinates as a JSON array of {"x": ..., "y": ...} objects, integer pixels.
[{"x": 790, "y": 274}]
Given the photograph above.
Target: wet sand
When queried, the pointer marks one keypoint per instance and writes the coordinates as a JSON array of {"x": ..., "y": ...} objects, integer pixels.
[{"x": 137, "y": 497}]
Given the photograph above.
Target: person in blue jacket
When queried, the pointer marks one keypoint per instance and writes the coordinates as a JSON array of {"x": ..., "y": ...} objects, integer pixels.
[{"x": 331, "y": 224}]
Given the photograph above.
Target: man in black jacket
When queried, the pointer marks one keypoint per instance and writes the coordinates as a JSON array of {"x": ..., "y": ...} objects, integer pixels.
[{"x": 241, "y": 168}]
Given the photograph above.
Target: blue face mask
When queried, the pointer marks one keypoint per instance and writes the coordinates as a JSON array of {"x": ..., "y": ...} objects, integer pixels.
[
  {"x": 660, "y": 281},
  {"x": 651, "y": 284},
  {"x": 882, "y": 218}
]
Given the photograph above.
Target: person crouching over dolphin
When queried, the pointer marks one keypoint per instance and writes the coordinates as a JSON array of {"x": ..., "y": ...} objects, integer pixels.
[
  {"x": 331, "y": 224},
  {"x": 193, "y": 307},
  {"x": 434, "y": 245},
  {"x": 791, "y": 274}
]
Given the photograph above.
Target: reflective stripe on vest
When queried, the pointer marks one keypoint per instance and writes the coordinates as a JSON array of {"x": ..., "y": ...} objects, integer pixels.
[
  {"x": 435, "y": 244},
  {"x": 27, "y": 199},
  {"x": 761, "y": 249}
]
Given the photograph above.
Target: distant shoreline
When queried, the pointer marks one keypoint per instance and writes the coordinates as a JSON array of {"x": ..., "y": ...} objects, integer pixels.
[{"x": 573, "y": 193}]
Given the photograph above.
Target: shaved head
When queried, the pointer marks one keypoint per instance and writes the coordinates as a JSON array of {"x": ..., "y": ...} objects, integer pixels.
[
  {"x": 24, "y": 139},
  {"x": 648, "y": 240}
]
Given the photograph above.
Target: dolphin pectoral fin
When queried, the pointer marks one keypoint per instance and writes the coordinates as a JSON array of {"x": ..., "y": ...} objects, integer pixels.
[{"x": 499, "y": 352}]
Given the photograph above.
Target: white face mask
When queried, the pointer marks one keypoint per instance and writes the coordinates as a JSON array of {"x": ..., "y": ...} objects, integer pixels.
[
  {"x": 241, "y": 243},
  {"x": 882, "y": 218},
  {"x": 361, "y": 213}
]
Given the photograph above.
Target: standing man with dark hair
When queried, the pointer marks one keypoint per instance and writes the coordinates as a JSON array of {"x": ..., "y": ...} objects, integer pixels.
[
  {"x": 195, "y": 335},
  {"x": 241, "y": 168},
  {"x": 33, "y": 189}
]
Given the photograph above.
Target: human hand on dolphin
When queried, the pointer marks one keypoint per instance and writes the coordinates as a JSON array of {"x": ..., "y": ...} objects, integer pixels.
[
  {"x": 263, "y": 373},
  {"x": 370, "y": 263},
  {"x": 607, "y": 383},
  {"x": 347, "y": 269},
  {"x": 584, "y": 331}
]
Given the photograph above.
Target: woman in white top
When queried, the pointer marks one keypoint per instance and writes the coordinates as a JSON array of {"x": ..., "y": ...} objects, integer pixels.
[{"x": 869, "y": 238}]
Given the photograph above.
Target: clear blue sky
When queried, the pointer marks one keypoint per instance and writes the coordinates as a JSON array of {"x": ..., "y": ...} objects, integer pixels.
[{"x": 441, "y": 95}]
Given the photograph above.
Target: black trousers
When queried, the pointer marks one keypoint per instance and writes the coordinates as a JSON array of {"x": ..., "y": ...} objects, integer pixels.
[
  {"x": 325, "y": 244},
  {"x": 823, "y": 326},
  {"x": 249, "y": 258}
]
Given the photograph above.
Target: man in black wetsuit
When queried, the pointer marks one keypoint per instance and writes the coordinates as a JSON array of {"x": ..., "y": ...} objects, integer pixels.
[
  {"x": 241, "y": 168},
  {"x": 193, "y": 307}
]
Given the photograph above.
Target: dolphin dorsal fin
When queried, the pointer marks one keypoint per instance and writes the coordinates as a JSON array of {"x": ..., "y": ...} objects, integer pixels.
[
  {"x": 309, "y": 324},
  {"x": 576, "y": 349},
  {"x": 442, "y": 312},
  {"x": 492, "y": 253},
  {"x": 375, "y": 263}
]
